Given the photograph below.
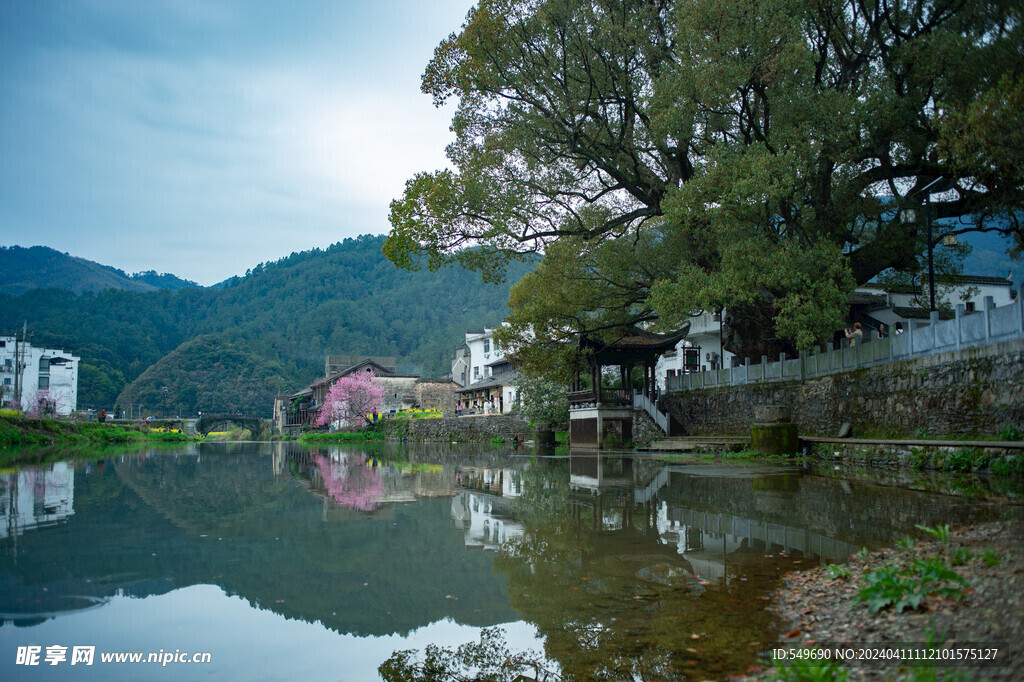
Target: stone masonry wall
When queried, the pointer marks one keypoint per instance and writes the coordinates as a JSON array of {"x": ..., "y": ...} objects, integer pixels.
[
  {"x": 452, "y": 429},
  {"x": 975, "y": 391},
  {"x": 439, "y": 394}
]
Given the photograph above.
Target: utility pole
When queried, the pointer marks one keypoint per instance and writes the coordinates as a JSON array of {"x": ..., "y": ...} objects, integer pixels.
[{"x": 19, "y": 364}]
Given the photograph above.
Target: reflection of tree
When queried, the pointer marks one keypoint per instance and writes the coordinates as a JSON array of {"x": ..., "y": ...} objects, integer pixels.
[
  {"x": 350, "y": 482},
  {"x": 620, "y": 604}
]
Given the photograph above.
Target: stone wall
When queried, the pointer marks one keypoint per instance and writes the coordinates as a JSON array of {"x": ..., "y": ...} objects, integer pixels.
[
  {"x": 399, "y": 391},
  {"x": 458, "y": 429},
  {"x": 974, "y": 391},
  {"x": 436, "y": 394}
]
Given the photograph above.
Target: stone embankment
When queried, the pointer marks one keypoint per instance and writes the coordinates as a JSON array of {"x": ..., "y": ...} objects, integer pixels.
[
  {"x": 977, "y": 391},
  {"x": 457, "y": 429}
]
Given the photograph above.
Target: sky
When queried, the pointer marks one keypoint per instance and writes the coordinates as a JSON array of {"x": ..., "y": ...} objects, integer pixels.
[{"x": 202, "y": 137}]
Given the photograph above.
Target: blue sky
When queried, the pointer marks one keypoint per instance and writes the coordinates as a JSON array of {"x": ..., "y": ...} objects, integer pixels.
[{"x": 201, "y": 137}]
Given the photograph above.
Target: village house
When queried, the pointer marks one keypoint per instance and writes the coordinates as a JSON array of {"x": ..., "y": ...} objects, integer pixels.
[
  {"x": 31, "y": 374},
  {"x": 491, "y": 377},
  {"x": 401, "y": 391}
]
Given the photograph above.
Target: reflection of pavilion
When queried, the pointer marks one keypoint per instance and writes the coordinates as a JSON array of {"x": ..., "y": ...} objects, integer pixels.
[
  {"x": 486, "y": 519},
  {"x": 34, "y": 498}
]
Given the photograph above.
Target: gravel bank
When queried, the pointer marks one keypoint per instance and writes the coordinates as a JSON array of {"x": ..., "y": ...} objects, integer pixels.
[{"x": 818, "y": 606}]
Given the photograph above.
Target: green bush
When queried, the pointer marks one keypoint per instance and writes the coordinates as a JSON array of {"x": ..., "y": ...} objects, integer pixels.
[{"x": 905, "y": 588}]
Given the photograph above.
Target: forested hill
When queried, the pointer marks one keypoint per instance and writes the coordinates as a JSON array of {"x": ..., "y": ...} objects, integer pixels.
[
  {"x": 274, "y": 326},
  {"x": 40, "y": 267}
]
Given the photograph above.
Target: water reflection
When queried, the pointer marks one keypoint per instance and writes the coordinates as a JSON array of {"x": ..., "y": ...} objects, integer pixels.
[
  {"x": 626, "y": 567},
  {"x": 36, "y": 497}
]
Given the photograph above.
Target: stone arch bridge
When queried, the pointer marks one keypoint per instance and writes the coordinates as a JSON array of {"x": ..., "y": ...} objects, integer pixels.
[{"x": 226, "y": 422}]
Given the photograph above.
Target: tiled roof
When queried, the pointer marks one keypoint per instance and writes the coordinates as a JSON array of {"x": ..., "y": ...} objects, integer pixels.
[
  {"x": 867, "y": 301},
  {"x": 503, "y": 379},
  {"x": 638, "y": 340},
  {"x": 920, "y": 313},
  {"x": 945, "y": 280}
]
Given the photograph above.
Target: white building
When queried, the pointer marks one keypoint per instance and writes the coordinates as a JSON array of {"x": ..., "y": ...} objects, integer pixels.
[
  {"x": 701, "y": 350},
  {"x": 461, "y": 363},
  {"x": 871, "y": 304},
  {"x": 489, "y": 375},
  {"x": 892, "y": 304},
  {"x": 33, "y": 373}
]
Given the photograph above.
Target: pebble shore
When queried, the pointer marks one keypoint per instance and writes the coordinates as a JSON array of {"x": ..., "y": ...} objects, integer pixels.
[{"x": 818, "y": 606}]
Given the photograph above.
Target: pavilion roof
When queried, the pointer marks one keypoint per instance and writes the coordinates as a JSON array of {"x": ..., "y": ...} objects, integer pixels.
[{"x": 634, "y": 344}]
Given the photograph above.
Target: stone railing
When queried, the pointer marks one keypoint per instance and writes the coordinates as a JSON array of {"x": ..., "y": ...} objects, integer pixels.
[
  {"x": 610, "y": 397},
  {"x": 966, "y": 330},
  {"x": 642, "y": 402}
]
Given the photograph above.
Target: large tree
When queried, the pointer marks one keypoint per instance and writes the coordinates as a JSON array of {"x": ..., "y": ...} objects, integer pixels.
[{"x": 756, "y": 150}]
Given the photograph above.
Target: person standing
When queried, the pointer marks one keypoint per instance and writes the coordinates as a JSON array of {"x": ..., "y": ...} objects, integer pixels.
[{"x": 856, "y": 335}]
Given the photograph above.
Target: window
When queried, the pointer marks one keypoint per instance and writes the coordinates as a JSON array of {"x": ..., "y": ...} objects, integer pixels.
[
  {"x": 7, "y": 381},
  {"x": 44, "y": 382},
  {"x": 476, "y": 373},
  {"x": 970, "y": 306},
  {"x": 487, "y": 345},
  {"x": 7, "y": 362}
]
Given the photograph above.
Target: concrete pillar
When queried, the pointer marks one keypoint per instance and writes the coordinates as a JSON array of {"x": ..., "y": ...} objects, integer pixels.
[
  {"x": 958, "y": 318},
  {"x": 988, "y": 303}
]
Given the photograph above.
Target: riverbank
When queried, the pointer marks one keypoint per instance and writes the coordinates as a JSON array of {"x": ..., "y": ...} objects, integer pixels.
[
  {"x": 981, "y": 608},
  {"x": 20, "y": 430}
]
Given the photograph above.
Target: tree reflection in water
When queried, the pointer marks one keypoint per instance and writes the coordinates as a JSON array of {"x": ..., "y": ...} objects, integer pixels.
[
  {"x": 350, "y": 482},
  {"x": 614, "y": 601}
]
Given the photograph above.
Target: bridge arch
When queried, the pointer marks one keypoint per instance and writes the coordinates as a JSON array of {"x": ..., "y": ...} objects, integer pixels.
[{"x": 210, "y": 422}]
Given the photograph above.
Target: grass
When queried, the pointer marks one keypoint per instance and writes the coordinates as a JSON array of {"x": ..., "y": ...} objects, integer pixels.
[
  {"x": 342, "y": 436},
  {"x": 810, "y": 669},
  {"x": 940, "y": 533},
  {"x": 16, "y": 429}
]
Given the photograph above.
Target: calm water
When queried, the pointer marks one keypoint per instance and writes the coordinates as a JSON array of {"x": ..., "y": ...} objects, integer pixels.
[{"x": 287, "y": 562}]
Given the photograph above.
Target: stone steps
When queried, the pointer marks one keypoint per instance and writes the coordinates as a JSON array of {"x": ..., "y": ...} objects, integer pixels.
[{"x": 701, "y": 443}]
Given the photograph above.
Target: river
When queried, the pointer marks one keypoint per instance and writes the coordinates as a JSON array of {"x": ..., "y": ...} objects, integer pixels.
[{"x": 281, "y": 561}]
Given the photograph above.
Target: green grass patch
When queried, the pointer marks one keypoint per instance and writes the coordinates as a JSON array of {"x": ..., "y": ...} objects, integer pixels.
[
  {"x": 811, "y": 668},
  {"x": 342, "y": 436}
]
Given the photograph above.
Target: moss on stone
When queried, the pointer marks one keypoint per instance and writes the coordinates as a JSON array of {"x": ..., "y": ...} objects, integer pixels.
[{"x": 774, "y": 439}]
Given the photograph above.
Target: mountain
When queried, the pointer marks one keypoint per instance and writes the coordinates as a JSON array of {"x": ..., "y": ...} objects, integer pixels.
[
  {"x": 40, "y": 267},
  {"x": 233, "y": 347},
  {"x": 989, "y": 256},
  {"x": 212, "y": 369}
]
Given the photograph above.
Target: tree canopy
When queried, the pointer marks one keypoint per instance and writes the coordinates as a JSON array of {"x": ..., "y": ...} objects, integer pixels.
[{"x": 747, "y": 155}]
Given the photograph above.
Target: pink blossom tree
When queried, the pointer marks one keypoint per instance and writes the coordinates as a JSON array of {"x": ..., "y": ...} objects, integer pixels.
[
  {"x": 350, "y": 399},
  {"x": 42, "y": 405}
]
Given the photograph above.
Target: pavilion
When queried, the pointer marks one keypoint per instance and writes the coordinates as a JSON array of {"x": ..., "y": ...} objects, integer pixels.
[{"x": 602, "y": 417}]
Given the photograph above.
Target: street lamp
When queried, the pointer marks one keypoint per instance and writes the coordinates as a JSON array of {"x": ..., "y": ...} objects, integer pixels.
[{"x": 908, "y": 216}]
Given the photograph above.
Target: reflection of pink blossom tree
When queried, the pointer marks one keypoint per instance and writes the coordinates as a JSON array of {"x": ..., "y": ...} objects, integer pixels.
[
  {"x": 350, "y": 399},
  {"x": 351, "y": 483}
]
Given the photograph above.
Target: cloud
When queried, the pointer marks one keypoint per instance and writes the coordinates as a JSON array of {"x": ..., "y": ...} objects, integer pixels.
[{"x": 199, "y": 140}]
